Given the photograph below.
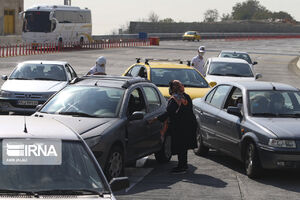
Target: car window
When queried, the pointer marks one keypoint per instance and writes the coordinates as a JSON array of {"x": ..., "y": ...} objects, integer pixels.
[
  {"x": 29, "y": 71},
  {"x": 220, "y": 95},
  {"x": 230, "y": 69},
  {"x": 189, "y": 77},
  {"x": 136, "y": 102},
  {"x": 134, "y": 71},
  {"x": 243, "y": 56},
  {"x": 274, "y": 103},
  {"x": 86, "y": 101},
  {"x": 143, "y": 72},
  {"x": 77, "y": 170},
  {"x": 73, "y": 73},
  {"x": 210, "y": 95},
  {"x": 152, "y": 98},
  {"x": 235, "y": 98},
  {"x": 69, "y": 74}
]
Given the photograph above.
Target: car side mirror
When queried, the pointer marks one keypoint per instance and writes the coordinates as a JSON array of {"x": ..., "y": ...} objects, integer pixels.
[
  {"x": 254, "y": 63},
  {"x": 234, "y": 111},
  {"x": 257, "y": 76},
  {"x": 212, "y": 84},
  {"x": 137, "y": 115},
  {"x": 38, "y": 107},
  {"x": 4, "y": 77},
  {"x": 119, "y": 183}
]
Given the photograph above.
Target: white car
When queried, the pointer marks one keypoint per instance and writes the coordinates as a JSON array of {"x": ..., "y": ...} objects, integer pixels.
[
  {"x": 228, "y": 69},
  {"x": 32, "y": 83},
  {"x": 237, "y": 54}
]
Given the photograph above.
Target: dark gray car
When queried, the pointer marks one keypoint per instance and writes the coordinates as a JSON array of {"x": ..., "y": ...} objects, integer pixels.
[
  {"x": 255, "y": 122},
  {"x": 111, "y": 114}
]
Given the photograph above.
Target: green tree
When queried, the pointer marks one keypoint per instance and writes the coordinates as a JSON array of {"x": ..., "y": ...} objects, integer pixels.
[
  {"x": 167, "y": 20},
  {"x": 211, "y": 15},
  {"x": 250, "y": 9},
  {"x": 226, "y": 17},
  {"x": 282, "y": 16}
]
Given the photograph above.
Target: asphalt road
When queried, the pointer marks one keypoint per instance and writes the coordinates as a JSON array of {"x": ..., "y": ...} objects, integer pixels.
[{"x": 216, "y": 176}]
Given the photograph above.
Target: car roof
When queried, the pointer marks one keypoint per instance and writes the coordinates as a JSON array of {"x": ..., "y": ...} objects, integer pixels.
[
  {"x": 109, "y": 81},
  {"x": 231, "y": 51},
  {"x": 262, "y": 85},
  {"x": 54, "y": 62},
  {"x": 156, "y": 64},
  {"x": 230, "y": 60},
  {"x": 37, "y": 128}
]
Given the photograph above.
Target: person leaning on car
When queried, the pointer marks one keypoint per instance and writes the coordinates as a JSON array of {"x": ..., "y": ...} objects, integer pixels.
[
  {"x": 198, "y": 61},
  {"x": 182, "y": 124},
  {"x": 99, "y": 68}
]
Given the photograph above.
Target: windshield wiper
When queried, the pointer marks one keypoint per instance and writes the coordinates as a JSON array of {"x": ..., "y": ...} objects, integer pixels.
[
  {"x": 70, "y": 192},
  {"x": 20, "y": 79},
  {"x": 47, "y": 79},
  {"x": 292, "y": 115},
  {"x": 265, "y": 114},
  {"x": 10, "y": 191},
  {"x": 76, "y": 114},
  {"x": 216, "y": 74}
]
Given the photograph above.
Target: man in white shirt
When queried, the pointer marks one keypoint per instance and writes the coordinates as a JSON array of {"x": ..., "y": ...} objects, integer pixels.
[
  {"x": 99, "y": 68},
  {"x": 198, "y": 61}
]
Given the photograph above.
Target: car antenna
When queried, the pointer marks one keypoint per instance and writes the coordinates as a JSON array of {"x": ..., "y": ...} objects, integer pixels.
[
  {"x": 274, "y": 88},
  {"x": 25, "y": 127}
]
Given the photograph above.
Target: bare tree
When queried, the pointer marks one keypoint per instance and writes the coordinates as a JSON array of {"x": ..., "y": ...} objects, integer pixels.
[
  {"x": 211, "y": 15},
  {"x": 153, "y": 17}
]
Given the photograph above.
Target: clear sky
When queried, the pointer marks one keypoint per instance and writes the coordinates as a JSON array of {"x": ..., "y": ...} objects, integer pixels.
[{"x": 110, "y": 15}]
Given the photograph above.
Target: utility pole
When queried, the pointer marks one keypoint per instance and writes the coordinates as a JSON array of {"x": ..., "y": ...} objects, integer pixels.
[{"x": 67, "y": 2}]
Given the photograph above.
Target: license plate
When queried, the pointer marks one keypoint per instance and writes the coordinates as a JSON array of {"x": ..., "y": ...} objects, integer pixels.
[{"x": 28, "y": 103}]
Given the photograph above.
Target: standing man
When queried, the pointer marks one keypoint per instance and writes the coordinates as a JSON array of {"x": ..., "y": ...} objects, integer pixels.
[
  {"x": 99, "y": 68},
  {"x": 198, "y": 61}
]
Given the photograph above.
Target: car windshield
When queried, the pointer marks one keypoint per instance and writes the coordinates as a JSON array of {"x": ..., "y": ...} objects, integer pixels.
[
  {"x": 243, "y": 56},
  {"x": 230, "y": 69},
  {"x": 29, "y": 71},
  {"x": 190, "y": 33},
  {"x": 189, "y": 77},
  {"x": 37, "y": 21},
  {"x": 274, "y": 103},
  {"x": 77, "y": 171},
  {"x": 86, "y": 101}
]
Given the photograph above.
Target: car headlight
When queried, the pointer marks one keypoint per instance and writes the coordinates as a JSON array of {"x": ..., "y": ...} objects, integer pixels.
[
  {"x": 282, "y": 143},
  {"x": 5, "y": 94}
]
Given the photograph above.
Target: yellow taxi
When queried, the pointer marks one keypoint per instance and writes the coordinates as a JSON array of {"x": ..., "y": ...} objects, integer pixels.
[
  {"x": 191, "y": 35},
  {"x": 161, "y": 72}
]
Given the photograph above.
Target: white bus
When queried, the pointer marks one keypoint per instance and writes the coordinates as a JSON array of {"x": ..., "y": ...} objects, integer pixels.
[{"x": 56, "y": 24}]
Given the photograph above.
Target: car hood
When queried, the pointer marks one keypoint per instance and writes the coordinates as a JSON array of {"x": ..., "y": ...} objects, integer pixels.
[
  {"x": 84, "y": 126},
  {"x": 33, "y": 85},
  {"x": 221, "y": 79},
  {"x": 282, "y": 127},
  {"x": 193, "y": 92}
]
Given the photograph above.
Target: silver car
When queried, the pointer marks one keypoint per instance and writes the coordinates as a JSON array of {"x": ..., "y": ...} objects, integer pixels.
[
  {"x": 255, "y": 122},
  {"x": 32, "y": 83},
  {"x": 30, "y": 170}
]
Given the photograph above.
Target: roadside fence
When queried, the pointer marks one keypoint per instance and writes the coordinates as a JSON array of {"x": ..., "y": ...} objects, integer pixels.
[{"x": 43, "y": 48}]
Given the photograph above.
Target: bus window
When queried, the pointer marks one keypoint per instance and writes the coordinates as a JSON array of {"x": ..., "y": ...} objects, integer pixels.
[{"x": 37, "y": 21}]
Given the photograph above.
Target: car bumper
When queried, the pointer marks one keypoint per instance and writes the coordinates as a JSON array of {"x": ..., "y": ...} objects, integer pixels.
[
  {"x": 12, "y": 105},
  {"x": 271, "y": 159}
]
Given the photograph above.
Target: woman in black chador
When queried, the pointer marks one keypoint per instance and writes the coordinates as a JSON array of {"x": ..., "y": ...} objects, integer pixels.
[{"x": 182, "y": 124}]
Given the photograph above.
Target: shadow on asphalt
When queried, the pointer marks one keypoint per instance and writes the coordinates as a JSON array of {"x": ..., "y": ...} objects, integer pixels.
[
  {"x": 161, "y": 178},
  {"x": 285, "y": 179}
]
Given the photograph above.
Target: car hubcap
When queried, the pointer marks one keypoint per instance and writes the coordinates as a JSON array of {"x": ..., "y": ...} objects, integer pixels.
[
  {"x": 115, "y": 166},
  {"x": 168, "y": 147}
]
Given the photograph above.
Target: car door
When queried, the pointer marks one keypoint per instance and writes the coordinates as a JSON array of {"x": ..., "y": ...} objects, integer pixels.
[
  {"x": 209, "y": 117},
  {"x": 229, "y": 126},
  {"x": 136, "y": 130},
  {"x": 154, "y": 108}
]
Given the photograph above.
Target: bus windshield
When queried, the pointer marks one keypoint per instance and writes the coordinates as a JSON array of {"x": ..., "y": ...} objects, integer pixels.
[{"x": 37, "y": 21}]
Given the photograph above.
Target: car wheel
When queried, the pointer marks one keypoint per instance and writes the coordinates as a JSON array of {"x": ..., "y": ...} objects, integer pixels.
[
  {"x": 165, "y": 154},
  {"x": 202, "y": 150},
  {"x": 252, "y": 163},
  {"x": 114, "y": 166}
]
